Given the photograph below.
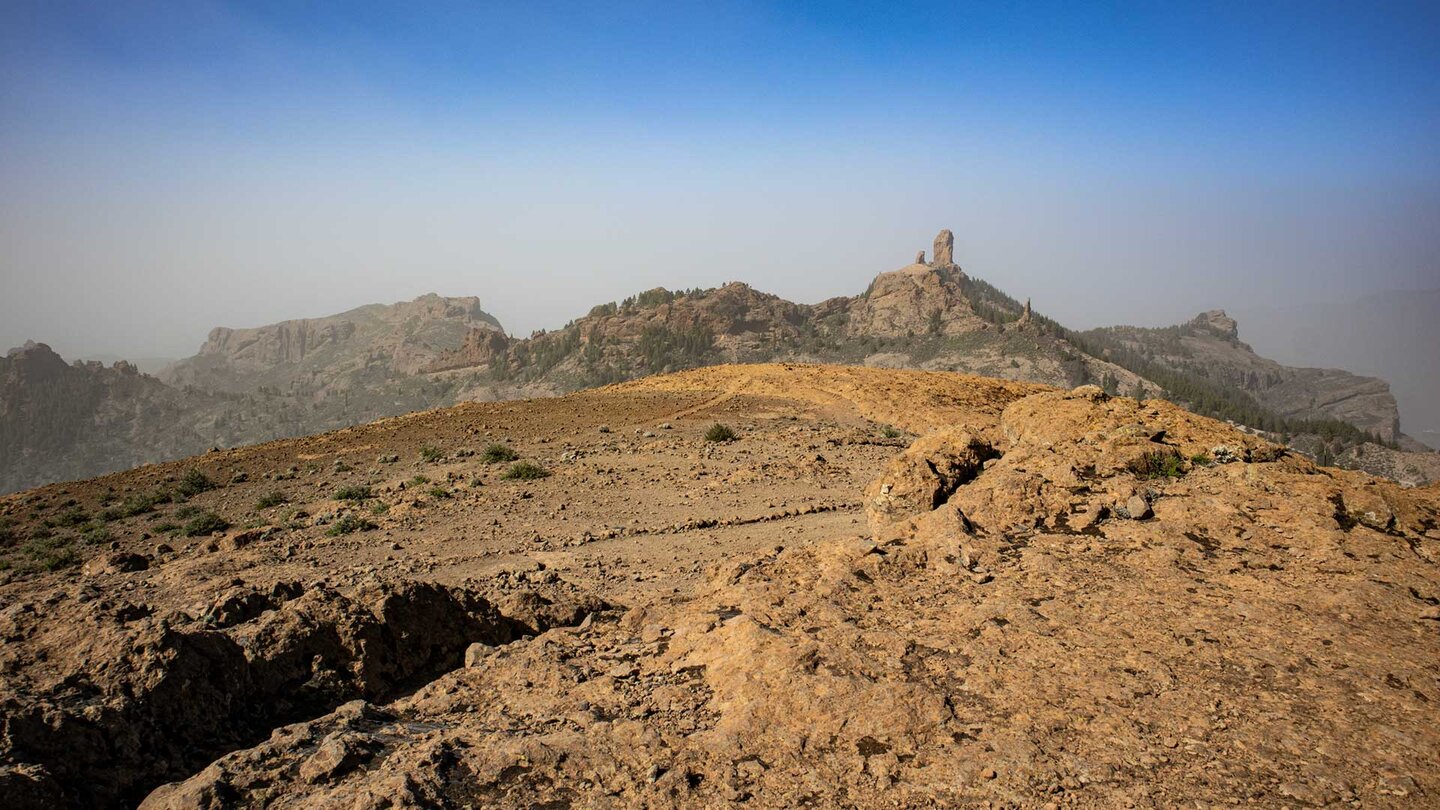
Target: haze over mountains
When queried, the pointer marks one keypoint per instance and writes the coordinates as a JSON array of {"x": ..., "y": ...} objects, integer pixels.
[
  {"x": 1391, "y": 335},
  {"x": 302, "y": 376}
]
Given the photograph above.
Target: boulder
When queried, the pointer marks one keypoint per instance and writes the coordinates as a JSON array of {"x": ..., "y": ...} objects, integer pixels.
[{"x": 925, "y": 476}]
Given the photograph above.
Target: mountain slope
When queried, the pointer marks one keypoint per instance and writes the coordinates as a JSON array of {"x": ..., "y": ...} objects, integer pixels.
[
  {"x": 1018, "y": 608},
  {"x": 353, "y": 350},
  {"x": 61, "y": 421},
  {"x": 1392, "y": 335},
  {"x": 1210, "y": 346},
  {"x": 299, "y": 377},
  {"x": 929, "y": 316}
]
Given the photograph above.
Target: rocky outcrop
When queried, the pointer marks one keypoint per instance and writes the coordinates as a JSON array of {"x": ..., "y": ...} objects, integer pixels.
[
  {"x": 337, "y": 352},
  {"x": 1217, "y": 323},
  {"x": 944, "y": 252},
  {"x": 168, "y": 694},
  {"x": 922, "y": 478},
  {"x": 915, "y": 301}
]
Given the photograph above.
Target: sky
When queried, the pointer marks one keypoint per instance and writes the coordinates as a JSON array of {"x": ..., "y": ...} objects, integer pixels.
[{"x": 170, "y": 167}]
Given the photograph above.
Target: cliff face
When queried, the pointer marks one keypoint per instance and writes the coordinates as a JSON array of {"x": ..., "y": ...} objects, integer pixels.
[
  {"x": 1210, "y": 345},
  {"x": 336, "y": 352}
]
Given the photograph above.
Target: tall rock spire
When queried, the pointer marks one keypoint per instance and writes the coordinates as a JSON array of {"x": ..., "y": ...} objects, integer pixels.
[{"x": 944, "y": 253}]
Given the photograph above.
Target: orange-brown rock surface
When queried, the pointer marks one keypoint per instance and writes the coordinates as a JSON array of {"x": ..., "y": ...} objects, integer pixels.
[{"x": 1080, "y": 601}]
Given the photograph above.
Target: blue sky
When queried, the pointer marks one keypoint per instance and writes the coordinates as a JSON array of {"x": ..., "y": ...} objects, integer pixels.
[{"x": 167, "y": 167}]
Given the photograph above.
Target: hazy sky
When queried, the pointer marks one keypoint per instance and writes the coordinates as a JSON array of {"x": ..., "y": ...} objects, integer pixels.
[{"x": 169, "y": 167}]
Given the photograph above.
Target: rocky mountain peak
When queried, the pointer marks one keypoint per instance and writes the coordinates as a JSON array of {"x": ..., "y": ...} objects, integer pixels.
[
  {"x": 34, "y": 362},
  {"x": 1217, "y": 322}
]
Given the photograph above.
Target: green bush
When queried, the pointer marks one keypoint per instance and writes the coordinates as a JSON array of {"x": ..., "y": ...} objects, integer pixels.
[
  {"x": 720, "y": 433},
  {"x": 194, "y": 482},
  {"x": 96, "y": 535},
  {"x": 270, "y": 499},
  {"x": 206, "y": 523},
  {"x": 525, "y": 471},
  {"x": 379, "y": 508},
  {"x": 352, "y": 493},
  {"x": 1159, "y": 464},
  {"x": 890, "y": 432},
  {"x": 431, "y": 453},
  {"x": 498, "y": 454},
  {"x": 187, "y": 511},
  {"x": 142, "y": 503},
  {"x": 49, "y": 553},
  {"x": 350, "y": 523},
  {"x": 1201, "y": 459},
  {"x": 74, "y": 516},
  {"x": 439, "y": 492}
]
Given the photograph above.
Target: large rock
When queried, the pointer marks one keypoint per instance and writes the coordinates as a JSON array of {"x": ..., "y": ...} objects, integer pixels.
[
  {"x": 924, "y": 476},
  {"x": 944, "y": 248}
]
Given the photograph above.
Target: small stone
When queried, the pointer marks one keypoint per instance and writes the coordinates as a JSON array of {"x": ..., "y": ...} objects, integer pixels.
[
  {"x": 337, "y": 755},
  {"x": 1398, "y": 785},
  {"x": 1137, "y": 508},
  {"x": 475, "y": 654},
  {"x": 988, "y": 773},
  {"x": 621, "y": 671},
  {"x": 1302, "y": 793}
]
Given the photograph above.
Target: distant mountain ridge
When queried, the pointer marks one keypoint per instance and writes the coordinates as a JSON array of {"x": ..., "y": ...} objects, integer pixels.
[
  {"x": 1210, "y": 346},
  {"x": 308, "y": 375},
  {"x": 365, "y": 344}
]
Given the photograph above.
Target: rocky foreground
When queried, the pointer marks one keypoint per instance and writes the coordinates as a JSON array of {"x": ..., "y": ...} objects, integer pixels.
[{"x": 890, "y": 588}]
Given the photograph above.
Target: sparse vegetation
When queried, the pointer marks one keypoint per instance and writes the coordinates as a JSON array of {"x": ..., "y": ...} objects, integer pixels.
[
  {"x": 1201, "y": 459},
  {"x": 720, "y": 433},
  {"x": 353, "y": 493},
  {"x": 1159, "y": 464},
  {"x": 431, "y": 454},
  {"x": 187, "y": 511},
  {"x": 379, "y": 508},
  {"x": 498, "y": 454},
  {"x": 194, "y": 482},
  {"x": 272, "y": 498},
  {"x": 418, "y": 480},
  {"x": 890, "y": 432},
  {"x": 143, "y": 503},
  {"x": 349, "y": 523},
  {"x": 439, "y": 493},
  {"x": 206, "y": 523},
  {"x": 48, "y": 553},
  {"x": 525, "y": 471},
  {"x": 73, "y": 516}
]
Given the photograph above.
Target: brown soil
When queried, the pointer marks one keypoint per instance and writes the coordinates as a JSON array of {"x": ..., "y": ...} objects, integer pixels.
[{"x": 1091, "y": 602}]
